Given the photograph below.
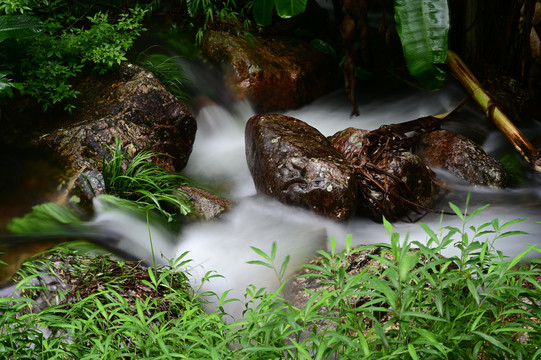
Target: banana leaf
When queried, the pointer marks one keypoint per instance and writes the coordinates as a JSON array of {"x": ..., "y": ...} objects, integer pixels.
[
  {"x": 19, "y": 26},
  {"x": 263, "y": 12},
  {"x": 423, "y": 27},
  {"x": 289, "y": 8},
  {"x": 285, "y": 9}
]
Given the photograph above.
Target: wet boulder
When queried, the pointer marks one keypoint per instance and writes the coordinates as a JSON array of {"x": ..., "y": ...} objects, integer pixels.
[
  {"x": 296, "y": 164},
  {"x": 275, "y": 74},
  {"x": 132, "y": 104},
  {"x": 459, "y": 155},
  {"x": 206, "y": 206},
  {"x": 392, "y": 181}
]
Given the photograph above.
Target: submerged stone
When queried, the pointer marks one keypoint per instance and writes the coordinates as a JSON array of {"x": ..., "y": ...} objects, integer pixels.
[
  {"x": 296, "y": 164},
  {"x": 459, "y": 155},
  {"x": 205, "y": 205}
]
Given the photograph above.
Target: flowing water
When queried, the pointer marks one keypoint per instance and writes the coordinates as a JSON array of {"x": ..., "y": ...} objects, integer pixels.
[{"x": 218, "y": 159}]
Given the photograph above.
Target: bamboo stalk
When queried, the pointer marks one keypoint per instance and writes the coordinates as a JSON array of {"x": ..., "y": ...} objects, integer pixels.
[{"x": 463, "y": 74}]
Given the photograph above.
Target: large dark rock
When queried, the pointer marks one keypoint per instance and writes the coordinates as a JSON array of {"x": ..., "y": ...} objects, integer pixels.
[
  {"x": 131, "y": 104},
  {"x": 392, "y": 181},
  {"x": 294, "y": 163},
  {"x": 276, "y": 73},
  {"x": 461, "y": 156}
]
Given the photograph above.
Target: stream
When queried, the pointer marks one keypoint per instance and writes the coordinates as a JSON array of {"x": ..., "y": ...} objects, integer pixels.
[{"x": 218, "y": 160}]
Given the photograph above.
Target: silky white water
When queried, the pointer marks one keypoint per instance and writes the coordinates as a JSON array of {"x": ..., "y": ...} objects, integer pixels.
[{"x": 218, "y": 158}]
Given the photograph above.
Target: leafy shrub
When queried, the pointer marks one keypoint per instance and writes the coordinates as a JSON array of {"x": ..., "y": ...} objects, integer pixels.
[
  {"x": 416, "y": 305},
  {"x": 144, "y": 182},
  {"x": 60, "y": 40}
]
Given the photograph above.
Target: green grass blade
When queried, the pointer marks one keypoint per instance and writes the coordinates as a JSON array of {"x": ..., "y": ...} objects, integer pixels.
[{"x": 494, "y": 341}]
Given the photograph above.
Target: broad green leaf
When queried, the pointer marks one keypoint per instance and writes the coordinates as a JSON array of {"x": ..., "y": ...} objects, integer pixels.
[
  {"x": 388, "y": 226},
  {"x": 429, "y": 231},
  {"x": 325, "y": 48},
  {"x": 263, "y": 12},
  {"x": 349, "y": 239},
  {"x": 273, "y": 251},
  {"x": 381, "y": 333},
  {"x": 512, "y": 222},
  {"x": 363, "y": 343},
  {"x": 422, "y": 315},
  {"x": 47, "y": 218},
  {"x": 512, "y": 233},
  {"x": 423, "y": 28},
  {"x": 289, "y": 8},
  {"x": 19, "y": 26}
]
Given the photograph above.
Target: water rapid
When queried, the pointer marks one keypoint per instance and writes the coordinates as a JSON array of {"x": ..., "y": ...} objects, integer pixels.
[{"x": 218, "y": 159}]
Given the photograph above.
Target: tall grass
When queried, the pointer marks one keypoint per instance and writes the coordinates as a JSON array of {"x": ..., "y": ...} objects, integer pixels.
[{"x": 409, "y": 303}]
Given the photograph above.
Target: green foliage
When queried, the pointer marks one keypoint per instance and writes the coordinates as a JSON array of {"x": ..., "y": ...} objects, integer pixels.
[
  {"x": 116, "y": 310},
  {"x": 410, "y": 303},
  {"x": 423, "y": 28},
  {"x": 44, "y": 219},
  {"x": 168, "y": 71},
  {"x": 514, "y": 166},
  {"x": 53, "y": 41},
  {"x": 206, "y": 11},
  {"x": 16, "y": 6},
  {"x": 15, "y": 27},
  {"x": 19, "y": 26},
  {"x": 263, "y": 9},
  {"x": 231, "y": 12},
  {"x": 6, "y": 85},
  {"x": 145, "y": 182},
  {"x": 104, "y": 44}
]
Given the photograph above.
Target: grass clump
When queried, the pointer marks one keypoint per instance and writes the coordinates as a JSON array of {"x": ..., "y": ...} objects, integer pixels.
[
  {"x": 407, "y": 302},
  {"x": 101, "y": 307},
  {"x": 144, "y": 182},
  {"x": 169, "y": 71}
]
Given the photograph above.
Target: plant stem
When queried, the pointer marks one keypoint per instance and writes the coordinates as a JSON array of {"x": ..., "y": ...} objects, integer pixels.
[
  {"x": 463, "y": 74},
  {"x": 152, "y": 248}
]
